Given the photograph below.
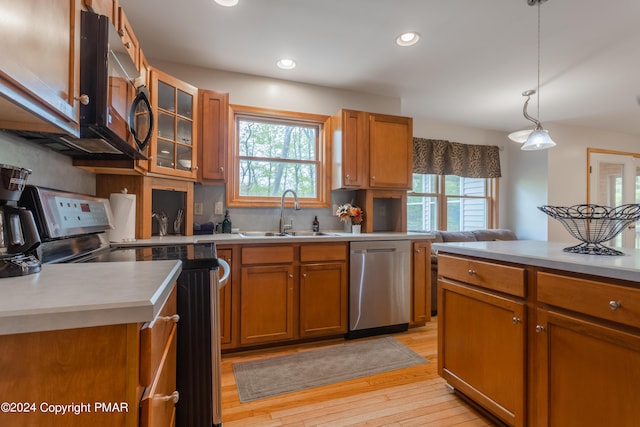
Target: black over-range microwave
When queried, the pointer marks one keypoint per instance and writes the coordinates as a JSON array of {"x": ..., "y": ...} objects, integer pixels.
[
  {"x": 118, "y": 112},
  {"x": 116, "y": 120}
]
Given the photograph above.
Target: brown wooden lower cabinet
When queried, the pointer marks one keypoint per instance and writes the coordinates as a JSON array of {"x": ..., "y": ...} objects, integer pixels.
[
  {"x": 589, "y": 367},
  {"x": 482, "y": 350},
  {"x": 290, "y": 292},
  {"x": 421, "y": 283},
  {"x": 116, "y": 375},
  {"x": 225, "y": 299},
  {"x": 266, "y": 306},
  {"x": 540, "y": 347}
]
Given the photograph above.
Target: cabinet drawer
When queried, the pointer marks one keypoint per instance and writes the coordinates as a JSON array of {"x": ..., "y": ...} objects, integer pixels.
[
  {"x": 501, "y": 278},
  {"x": 154, "y": 336},
  {"x": 158, "y": 405},
  {"x": 322, "y": 252},
  {"x": 277, "y": 254},
  {"x": 598, "y": 299}
]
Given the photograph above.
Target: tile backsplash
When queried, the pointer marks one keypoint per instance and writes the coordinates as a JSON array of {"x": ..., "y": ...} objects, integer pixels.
[{"x": 267, "y": 219}]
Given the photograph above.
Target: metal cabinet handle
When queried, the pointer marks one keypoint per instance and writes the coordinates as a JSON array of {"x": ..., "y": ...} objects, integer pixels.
[
  {"x": 614, "y": 305},
  {"x": 515, "y": 320},
  {"x": 539, "y": 328},
  {"x": 174, "y": 318},
  {"x": 472, "y": 272},
  {"x": 173, "y": 397}
]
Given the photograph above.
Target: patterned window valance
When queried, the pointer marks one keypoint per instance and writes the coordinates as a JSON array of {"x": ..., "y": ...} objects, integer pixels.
[{"x": 432, "y": 156}]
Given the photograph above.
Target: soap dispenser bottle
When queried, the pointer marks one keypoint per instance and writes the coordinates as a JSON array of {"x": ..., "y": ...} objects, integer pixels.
[
  {"x": 226, "y": 223},
  {"x": 316, "y": 225}
]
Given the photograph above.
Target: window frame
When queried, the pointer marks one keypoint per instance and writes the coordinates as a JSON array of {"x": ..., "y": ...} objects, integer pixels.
[
  {"x": 323, "y": 172},
  {"x": 442, "y": 199}
]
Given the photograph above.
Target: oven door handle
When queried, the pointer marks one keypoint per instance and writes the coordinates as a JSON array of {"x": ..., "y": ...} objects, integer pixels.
[{"x": 226, "y": 272}]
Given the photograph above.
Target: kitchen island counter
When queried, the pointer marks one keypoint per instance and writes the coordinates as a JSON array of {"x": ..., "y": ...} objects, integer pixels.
[
  {"x": 550, "y": 255},
  {"x": 66, "y": 296}
]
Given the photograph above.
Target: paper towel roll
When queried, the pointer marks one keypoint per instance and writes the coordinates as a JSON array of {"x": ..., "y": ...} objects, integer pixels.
[{"x": 123, "y": 207}]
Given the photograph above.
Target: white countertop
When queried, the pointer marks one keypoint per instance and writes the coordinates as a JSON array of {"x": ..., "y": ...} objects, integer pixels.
[
  {"x": 65, "y": 296},
  {"x": 551, "y": 255},
  {"x": 239, "y": 238}
]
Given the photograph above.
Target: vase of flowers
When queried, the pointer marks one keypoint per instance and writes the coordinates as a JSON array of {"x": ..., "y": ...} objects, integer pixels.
[{"x": 352, "y": 217}]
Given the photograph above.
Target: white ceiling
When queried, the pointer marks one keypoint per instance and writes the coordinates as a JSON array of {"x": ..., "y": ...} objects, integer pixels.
[{"x": 473, "y": 62}]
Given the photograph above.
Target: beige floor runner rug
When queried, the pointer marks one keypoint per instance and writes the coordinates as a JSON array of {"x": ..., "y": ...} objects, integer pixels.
[{"x": 262, "y": 378}]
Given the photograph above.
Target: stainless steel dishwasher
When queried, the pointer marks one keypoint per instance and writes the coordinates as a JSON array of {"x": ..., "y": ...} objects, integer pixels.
[{"x": 379, "y": 287}]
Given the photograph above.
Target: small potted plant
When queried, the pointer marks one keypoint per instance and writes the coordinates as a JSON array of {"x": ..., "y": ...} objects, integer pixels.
[{"x": 352, "y": 216}]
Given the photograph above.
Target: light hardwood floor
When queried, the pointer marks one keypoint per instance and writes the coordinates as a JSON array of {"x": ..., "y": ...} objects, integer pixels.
[{"x": 414, "y": 396}]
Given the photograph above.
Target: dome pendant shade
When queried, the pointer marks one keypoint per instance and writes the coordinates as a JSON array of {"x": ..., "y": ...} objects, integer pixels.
[{"x": 538, "y": 140}]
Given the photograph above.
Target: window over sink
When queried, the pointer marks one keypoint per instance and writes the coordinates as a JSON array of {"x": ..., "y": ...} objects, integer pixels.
[{"x": 274, "y": 151}]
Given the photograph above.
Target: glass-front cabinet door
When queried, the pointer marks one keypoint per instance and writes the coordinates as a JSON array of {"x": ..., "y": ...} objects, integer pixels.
[{"x": 174, "y": 146}]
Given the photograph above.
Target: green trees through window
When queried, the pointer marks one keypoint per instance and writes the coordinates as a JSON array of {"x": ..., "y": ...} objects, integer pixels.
[{"x": 275, "y": 156}]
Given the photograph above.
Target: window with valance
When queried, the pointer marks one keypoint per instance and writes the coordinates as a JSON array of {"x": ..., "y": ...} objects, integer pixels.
[{"x": 454, "y": 186}]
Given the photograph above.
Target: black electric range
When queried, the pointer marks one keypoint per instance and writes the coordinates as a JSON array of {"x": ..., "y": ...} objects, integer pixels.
[{"x": 73, "y": 229}]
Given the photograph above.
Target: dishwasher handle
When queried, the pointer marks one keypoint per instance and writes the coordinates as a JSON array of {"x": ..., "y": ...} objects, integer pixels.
[{"x": 376, "y": 250}]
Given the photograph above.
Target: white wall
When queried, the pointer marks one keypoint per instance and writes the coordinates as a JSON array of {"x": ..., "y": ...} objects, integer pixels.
[
  {"x": 280, "y": 94},
  {"x": 285, "y": 95},
  {"x": 567, "y": 166},
  {"x": 49, "y": 169}
]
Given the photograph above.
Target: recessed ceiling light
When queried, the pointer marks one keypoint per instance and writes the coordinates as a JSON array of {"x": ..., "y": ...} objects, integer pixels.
[
  {"x": 407, "y": 39},
  {"x": 227, "y": 3},
  {"x": 286, "y": 64}
]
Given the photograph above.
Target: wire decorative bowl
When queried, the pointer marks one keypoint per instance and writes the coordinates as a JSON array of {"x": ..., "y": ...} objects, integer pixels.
[{"x": 593, "y": 225}]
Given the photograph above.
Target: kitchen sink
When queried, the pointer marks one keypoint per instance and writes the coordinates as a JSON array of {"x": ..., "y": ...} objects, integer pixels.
[{"x": 289, "y": 234}]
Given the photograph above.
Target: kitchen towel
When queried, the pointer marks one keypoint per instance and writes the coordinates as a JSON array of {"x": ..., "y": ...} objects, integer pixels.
[{"x": 123, "y": 206}]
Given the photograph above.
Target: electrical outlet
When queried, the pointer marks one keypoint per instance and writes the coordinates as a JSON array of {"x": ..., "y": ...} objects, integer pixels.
[
  {"x": 218, "y": 208},
  {"x": 197, "y": 208}
]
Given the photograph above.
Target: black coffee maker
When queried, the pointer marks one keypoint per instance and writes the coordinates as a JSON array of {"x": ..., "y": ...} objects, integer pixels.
[{"x": 19, "y": 236}]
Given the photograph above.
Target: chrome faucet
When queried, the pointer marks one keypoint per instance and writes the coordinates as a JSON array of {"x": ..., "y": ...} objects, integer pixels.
[{"x": 296, "y": 206}]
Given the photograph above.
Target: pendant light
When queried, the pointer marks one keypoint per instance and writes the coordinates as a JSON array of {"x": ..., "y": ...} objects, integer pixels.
[{"x": 539, "y": 138}]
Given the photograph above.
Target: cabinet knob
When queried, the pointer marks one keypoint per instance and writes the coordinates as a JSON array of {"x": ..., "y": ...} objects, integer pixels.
[
  {"x": 373, "y": 178},
  {"x": 515, "y": 320},
  {"x": 291, "y": 276},
  {"x": 614, "y": 305},
  {"x": 348, "y": 177},
  {"x": 221, "y": 169},
  {"x": 173, "y": 397},
  {"x": 127, "y": 45},
  {"x": 121, "y": 32},
  {"x": 417, "y": 251},
  {"x": 174, "y": 318},
  {"x": 539, "y": 328},
  {"x": 472, "y": 272},
  {"x": 84, "y": 99},
  {"x": 304, "y": 274}
]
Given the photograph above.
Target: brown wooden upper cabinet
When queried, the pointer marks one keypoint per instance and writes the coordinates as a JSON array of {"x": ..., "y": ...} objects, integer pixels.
[
  {"x": 39, "y": 65},
  {"x": 174, "y": 145},
  {"x": 214, "y": 131},
  {"x": 371, "y": 150}
]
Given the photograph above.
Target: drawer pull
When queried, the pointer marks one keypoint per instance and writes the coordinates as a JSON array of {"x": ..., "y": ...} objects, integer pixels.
[
  {"x": 539, "y": 328},
  {"x": 472, "y": 272},
  {"x": 515, "y": 320},
  {"x": 173, "y": 397},
  {"x": 614, "y": 305},
  {"x": 175, "y": 318}
]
